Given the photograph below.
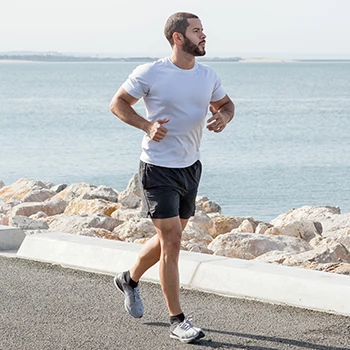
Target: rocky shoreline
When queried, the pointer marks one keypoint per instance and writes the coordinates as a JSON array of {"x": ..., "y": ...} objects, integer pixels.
[{"x": 313, "y": 237}]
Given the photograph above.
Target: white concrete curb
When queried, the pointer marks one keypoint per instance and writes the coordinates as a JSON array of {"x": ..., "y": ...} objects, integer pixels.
[
  {"x": 278, "y": 284},
  {"x": 10, "y": 237}
]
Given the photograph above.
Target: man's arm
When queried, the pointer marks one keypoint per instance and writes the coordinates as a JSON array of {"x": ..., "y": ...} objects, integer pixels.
[
  {"x": 222, "y": 113},
  {"x": 121, "y": 106}
]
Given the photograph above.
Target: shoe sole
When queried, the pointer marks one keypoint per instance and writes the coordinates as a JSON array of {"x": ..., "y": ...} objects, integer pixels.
[
  {"x": 188, "y": 341},
  {"x": 120, "y": 288}
]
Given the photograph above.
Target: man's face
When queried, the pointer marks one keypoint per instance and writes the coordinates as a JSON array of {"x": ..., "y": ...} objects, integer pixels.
[{"x": 194, "y": 40}]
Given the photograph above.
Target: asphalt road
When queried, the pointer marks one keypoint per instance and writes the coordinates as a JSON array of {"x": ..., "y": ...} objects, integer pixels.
[{"x": 46, "y": 307}]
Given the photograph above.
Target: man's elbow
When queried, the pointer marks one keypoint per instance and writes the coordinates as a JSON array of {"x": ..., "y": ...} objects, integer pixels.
[{"x": 113, "y": 106}]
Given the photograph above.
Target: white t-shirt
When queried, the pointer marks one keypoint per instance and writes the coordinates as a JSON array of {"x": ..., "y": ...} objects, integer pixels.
[{"x": 181, "y": 95}]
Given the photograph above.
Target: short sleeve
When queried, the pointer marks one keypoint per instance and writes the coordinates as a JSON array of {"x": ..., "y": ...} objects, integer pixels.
[
  {"x": 137, "y": 84},
  {"x": 218, "y": 91}
]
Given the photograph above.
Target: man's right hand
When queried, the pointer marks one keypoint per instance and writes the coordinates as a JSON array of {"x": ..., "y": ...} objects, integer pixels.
[{"x": 157, "y": 131}]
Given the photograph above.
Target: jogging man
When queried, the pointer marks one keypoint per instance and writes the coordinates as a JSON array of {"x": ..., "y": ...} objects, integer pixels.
[{"x": 177, "y": 92}]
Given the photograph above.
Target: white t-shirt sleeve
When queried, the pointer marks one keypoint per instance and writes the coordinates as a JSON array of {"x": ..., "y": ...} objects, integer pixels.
[
  {"x": 137, "y": 84},
  {"x": 218, "y": 91}
]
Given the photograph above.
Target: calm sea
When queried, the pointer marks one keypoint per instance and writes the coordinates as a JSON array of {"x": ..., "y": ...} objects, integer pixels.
[{"x": 288, "y": 145}]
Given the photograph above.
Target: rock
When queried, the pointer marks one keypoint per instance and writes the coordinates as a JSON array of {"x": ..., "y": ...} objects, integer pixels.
[
  {"x": 53, "y": 206},
  {"x": 225, "y": 224},
  {"x": 76, "y": 224},
  {"x": 318, "y": 227},
  {"x": 203, "y": 221},
  {"x": 247, "y": 225},
  {"x": 345, "y": 241},
  {"x": 273, "y": 256},
  {"x": 274, "y": 231},
  {"x": 335, "y": 253},
  {"x": 195, "y": 234},
  {"x": 6, "y": 206},
  {"x": 2, "y": 184},
  {"x": 135, "y": 229},
  {"x": 339, "y": 267},
  {"x": 75, "y": 191},
  {"x": 125, "y": 214},
  {"x": 301, "y": 229},
  {"x": 38, "y": 195},
  {"x": 207, "y": 205},
  {"x": 102, "y": 192},
  {"x": 262, "y": 228},
  {"x": 251, "y": 245},
  {"x": 39, "y": 215},
  {"x": 20, "y": 188},
  {"x": 26, "y": 223},
  {"x": 195, "y": 247},
  {"x": 4, "y": 220},
  {"x": 131, "y": 197},
  {"x": 48, "y": 184},
  {"x": 99, "y": 232},
  {"x": 58, "y": 188},
  {"x": 333, "y": 222},
  {"x": 90, "y": 207}
]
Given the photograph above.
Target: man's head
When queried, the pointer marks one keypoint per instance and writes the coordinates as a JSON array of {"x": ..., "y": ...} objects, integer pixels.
[{"x": 189, "y": 28}]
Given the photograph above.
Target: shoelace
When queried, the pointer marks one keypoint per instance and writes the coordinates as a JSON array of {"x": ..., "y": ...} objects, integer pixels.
[
  {"x": 185, "y": 325},
  {"x": 135, "y": 293}
]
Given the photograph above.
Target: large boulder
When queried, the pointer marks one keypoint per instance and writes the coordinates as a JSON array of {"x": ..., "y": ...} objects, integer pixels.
[
  {"x": 131, "y": 197},
  {"x": 102, "y": 192},
  {"x": 203, "y": 203},
  {"x": 332, "y": 254},
  {"x": 26, "y": 223},
  {"x": 251, "y": 245},
  {"x": 53, "y": 206},
  {"x": 125, "y": 214},
  {"x": 333, "y": 222},
  {"x": 38, "y": 195},
  {"x": 301, "y": 229},
  {"x": 203, "y": 221},
  {"x": 90, "y": 207},
  {"x": 195, "y": 234},
  {"x": 76, "y": 223},
  {"x": 225, "y": 224},
  {"x": 135, "y": 230},
  {"x": 75, "y": 191},
  {"x": 248, "y": 225},
  {"x": 21, "y": 188}
]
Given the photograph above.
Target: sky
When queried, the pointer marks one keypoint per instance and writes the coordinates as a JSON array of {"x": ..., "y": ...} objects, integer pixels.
[{"x": 244, "y": 28}]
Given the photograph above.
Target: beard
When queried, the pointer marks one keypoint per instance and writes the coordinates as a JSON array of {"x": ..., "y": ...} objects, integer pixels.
[{"x": 192, "y": 49}]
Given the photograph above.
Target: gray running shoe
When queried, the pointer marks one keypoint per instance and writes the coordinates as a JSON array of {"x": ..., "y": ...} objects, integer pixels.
[
  {"x": 186, "y": 333},
  {"x": 132, "y": 302}
]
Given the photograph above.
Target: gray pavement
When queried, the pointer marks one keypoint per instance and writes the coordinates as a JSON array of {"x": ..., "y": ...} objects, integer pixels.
[{"x": 46, "y": 307}]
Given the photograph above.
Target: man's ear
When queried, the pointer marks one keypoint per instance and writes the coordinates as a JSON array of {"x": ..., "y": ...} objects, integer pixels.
[{"x": 178, "y": 38}]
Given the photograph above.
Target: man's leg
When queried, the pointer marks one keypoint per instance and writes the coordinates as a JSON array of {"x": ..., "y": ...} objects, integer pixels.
[
  {"x": 169, "y": 232},
  {"x": 149, "y": 255},
  {"x": 127, "y": 282}
]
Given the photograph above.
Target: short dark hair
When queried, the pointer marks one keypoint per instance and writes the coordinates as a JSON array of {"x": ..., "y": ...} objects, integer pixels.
[{"x": 177, "y": 23}]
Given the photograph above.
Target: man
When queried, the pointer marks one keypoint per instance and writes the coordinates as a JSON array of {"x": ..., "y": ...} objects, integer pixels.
[{"x": 177, "y": 92}]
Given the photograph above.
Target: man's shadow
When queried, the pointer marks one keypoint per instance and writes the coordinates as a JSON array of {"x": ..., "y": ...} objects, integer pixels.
[{"x": 279, "y": 341}]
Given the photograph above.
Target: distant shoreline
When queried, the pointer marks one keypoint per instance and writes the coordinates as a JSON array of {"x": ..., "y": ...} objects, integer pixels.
[{"x": 63, "y": 58}]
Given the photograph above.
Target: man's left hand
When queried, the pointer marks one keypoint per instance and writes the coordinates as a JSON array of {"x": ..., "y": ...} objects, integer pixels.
[{"x": 218, "y": 121}]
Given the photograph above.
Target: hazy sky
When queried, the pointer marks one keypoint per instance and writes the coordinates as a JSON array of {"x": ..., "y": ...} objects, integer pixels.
[{"x": 280, "y": 28}]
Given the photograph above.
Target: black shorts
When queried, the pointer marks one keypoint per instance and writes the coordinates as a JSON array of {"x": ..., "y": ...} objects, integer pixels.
[{"x": 169, "y": 192}]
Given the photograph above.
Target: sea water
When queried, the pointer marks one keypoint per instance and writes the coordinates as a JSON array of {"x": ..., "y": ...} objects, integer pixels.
[{"x": 288, "y": 145}]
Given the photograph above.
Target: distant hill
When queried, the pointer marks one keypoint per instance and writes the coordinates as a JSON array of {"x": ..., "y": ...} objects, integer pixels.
[{"x": 58, "y": 57}]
